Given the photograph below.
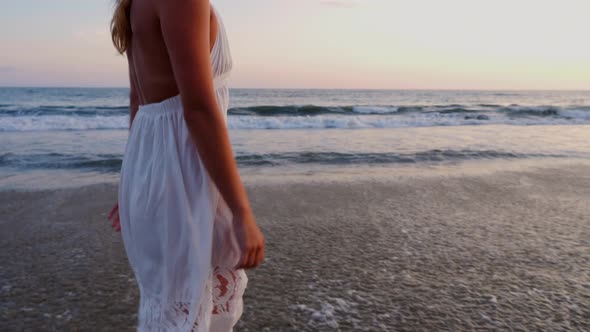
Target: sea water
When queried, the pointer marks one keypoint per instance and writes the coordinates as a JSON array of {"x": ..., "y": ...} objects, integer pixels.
[{"x": 58, "y": 137}]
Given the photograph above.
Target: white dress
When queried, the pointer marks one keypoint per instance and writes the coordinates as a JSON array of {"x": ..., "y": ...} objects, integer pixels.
[{"x": 176, "y": 227}]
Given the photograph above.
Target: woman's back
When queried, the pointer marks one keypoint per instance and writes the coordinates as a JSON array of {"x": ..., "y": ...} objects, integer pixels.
[{"x": 151, "y": 69}]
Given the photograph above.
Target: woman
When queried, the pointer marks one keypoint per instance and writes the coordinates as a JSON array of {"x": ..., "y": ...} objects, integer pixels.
[{"x": 185, "y": 218}]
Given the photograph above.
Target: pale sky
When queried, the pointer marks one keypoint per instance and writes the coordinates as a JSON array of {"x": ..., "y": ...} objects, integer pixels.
[{"x": 384, "y": 44}]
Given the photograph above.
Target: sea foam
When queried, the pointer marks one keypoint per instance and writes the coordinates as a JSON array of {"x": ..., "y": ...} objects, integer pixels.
[{"x": 48, "y": 118}]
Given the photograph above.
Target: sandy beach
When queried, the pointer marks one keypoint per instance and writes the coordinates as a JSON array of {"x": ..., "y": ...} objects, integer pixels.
[{"x": 507, "y": 249}]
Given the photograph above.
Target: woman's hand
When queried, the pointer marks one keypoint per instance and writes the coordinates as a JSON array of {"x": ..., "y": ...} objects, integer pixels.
[
  {"x": 250, "y": 240},
  {"x": 114, "y": 218}
]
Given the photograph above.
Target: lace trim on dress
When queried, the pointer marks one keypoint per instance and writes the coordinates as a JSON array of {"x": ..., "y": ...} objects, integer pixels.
[{"x": 222, "y": 296}]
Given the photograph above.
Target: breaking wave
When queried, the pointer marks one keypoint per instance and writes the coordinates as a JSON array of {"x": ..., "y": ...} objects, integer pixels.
[{"x": 47, "y": 118}]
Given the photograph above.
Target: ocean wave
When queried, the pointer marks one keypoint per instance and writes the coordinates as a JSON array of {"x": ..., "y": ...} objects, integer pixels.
[
  {"x": 67, "y": 123},
  {"x": 303, "y": 110},
  {"x": 293, "y": 110},
  {"x": 66, "y": 110},
  {"x": 540, "y": 111},
  {"x": 99, "y": 162},
  {"x": 336, "y": 158},
  {"x": 112, "y": 162},
  {"x": 63, "y": 122},
  {"x": 313, "y": 110},
  {"x": 55, "y": 118},
  {"x": 416, "y": 120}
]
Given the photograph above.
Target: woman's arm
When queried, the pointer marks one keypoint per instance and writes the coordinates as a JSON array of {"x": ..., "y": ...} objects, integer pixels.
[
  {"x": 185, "y": 26},
  {"x": 133, "y": 107}
]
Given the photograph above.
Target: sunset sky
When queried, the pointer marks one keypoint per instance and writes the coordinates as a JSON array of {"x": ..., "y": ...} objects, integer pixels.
[{"x": 386, "y": 44}]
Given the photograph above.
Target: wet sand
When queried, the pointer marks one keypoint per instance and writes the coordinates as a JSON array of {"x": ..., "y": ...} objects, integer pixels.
[{"x": 452, "y": 251}]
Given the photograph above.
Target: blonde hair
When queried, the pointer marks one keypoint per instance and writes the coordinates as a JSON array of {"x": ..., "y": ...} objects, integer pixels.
[{"x": 121, "y": 25}]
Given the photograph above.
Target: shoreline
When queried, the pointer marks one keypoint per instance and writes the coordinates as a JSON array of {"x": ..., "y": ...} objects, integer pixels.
[
  {"x": 458, "y": 247},
  {"x": 53, "y": 180}
]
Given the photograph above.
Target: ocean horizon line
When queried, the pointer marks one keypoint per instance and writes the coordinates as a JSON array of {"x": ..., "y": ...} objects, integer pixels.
[{"x": 310, "y": 89}]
